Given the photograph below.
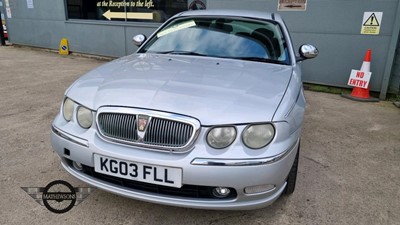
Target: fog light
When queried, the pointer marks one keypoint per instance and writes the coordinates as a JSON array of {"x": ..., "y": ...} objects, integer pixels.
[
  {"x": 221, "y": 192},
  {"x": 259, "y": 189},
  {"x": 77, "y": 165}
]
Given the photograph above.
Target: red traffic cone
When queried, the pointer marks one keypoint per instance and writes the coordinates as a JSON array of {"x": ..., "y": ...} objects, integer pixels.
[{"x": 362, "y": 94}]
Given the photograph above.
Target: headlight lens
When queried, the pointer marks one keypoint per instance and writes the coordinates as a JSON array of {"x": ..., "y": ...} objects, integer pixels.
[
  {"x": 68, "y": 109},
  {"x": 221, "y": 137},
  {"x": 85, "y": 117},
  {"x": 258, "y": 136}
]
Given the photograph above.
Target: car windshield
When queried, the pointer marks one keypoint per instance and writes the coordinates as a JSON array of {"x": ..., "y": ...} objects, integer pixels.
[{"x": 236, "y": 38}]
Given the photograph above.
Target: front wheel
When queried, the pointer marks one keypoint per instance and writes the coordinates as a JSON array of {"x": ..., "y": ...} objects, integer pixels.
[{"x": 291, "y": 179}]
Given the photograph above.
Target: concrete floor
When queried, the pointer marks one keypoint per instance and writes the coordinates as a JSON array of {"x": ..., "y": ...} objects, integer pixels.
[{"x": 349, "y": 165}]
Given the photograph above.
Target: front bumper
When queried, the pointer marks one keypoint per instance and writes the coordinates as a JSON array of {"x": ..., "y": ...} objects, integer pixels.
[{"x": 197, "y": 170}]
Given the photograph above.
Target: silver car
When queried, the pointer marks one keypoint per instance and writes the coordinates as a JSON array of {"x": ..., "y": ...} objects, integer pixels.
[{"x": 206, "y": 114}]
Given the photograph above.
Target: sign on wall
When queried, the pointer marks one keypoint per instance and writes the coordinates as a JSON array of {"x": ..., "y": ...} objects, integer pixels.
[
  {"x": 129, "y": 10},
  {"x": 29, "y": 4},
  {"x": 8, "y": 12},
  {"x": 371, "y": 23},
  {"x": 292, "y": 5},
  {"x": 8, "y": 9},
  {"x": 197, "y": 4}
]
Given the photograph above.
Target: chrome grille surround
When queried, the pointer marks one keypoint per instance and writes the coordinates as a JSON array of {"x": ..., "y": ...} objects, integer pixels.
[{"x": 163, "y": 131}]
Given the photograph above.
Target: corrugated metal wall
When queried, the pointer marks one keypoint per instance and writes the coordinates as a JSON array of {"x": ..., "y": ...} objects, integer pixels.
[{"x": 332, "y": 25}]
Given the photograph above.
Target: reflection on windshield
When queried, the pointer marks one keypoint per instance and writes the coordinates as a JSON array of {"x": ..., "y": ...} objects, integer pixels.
[
  {"x": 221, "y": 38},
  {"x": 175, "y": 28}
]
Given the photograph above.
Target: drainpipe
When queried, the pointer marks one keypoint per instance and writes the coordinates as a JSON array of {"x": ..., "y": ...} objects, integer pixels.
[
  {"x": 391, "y": 54},
  {"x": 2, "y": 39}
]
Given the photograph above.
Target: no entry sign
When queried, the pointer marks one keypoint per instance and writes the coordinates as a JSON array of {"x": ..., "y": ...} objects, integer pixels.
[{"x": 359, "y": 79}]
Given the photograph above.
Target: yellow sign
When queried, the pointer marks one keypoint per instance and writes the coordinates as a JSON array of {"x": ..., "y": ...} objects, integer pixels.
[
  {"x": 371, "y": 23},
  {"x": 63, "y": 50}
]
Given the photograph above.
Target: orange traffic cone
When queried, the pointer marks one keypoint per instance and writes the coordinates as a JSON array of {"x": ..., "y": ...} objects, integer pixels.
[{"x": 362, "y": 94}]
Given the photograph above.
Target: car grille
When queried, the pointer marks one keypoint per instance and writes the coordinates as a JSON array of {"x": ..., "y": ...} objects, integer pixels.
[
  {"x": 118, "y": 126},
  {"x": 189, "y": 191},
  {"x": 160, "y": 133}
]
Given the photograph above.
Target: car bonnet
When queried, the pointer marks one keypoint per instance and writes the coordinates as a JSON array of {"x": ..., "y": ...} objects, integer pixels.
[{"x": 213, "y": 90}]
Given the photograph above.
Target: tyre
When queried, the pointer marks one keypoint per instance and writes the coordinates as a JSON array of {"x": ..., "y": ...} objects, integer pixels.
[{"x": 291, "y": 179}]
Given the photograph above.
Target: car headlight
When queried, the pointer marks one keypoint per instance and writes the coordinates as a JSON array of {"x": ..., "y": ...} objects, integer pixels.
[
  {"x": 68, "y": 109},
  {"x": 84, "y": 117},
  {"x": 221, "y": 137},
  {"x": 258, "y": 136}
]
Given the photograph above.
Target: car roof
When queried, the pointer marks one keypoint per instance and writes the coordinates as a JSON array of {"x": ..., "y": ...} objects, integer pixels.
[{"x": 233, "y": 13}]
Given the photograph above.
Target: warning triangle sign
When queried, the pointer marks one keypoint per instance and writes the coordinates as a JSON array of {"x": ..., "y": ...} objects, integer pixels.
[{"x": 371, "y": 21}]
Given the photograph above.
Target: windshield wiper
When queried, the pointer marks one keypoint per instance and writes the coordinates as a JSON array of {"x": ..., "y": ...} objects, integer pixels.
[
  {"x": 180, "y": 53},
  {"x": 259, "y": 59}
]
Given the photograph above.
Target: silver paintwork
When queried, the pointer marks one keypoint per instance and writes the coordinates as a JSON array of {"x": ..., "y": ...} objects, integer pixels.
[
  {"x": 69, "y": 137},
  {"x": 162, "y": 83},
  {"x": 241, "y": 162},
  {"x": 211, "y": 91}
]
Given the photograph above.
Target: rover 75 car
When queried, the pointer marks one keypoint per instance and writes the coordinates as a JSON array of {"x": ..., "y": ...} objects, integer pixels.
[{"x": 207, "y": 113}]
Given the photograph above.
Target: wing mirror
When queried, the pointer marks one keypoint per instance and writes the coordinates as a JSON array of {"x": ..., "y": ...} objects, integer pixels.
[
  {"x": 139, "y": 39},
  {"x": 307, "y": 51}
]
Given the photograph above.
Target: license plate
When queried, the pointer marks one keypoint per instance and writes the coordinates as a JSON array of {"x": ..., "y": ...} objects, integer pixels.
[{"x": 166, "y": 176}]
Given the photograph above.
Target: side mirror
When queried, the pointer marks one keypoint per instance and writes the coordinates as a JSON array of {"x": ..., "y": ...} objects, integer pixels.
[
  {"x": 139, "y": 39},
  {"x": 307, "y": 51}
]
